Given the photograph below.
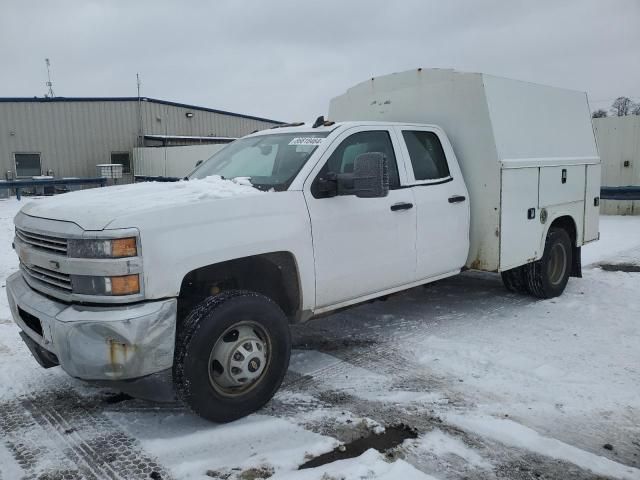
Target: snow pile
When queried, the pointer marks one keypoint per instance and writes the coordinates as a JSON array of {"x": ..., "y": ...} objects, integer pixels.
[
  {"x": 208, "y": 187},
  {"x": 8, "y": 257},
  {"x": 160, "y": 193},
  {"x": 369, "y": 465},
  {"x": 440, "y": 444},
  {"x": 94, "y": 208},
  {"x": 197, "y": 189},
  {"x": 193, "y": 446}
]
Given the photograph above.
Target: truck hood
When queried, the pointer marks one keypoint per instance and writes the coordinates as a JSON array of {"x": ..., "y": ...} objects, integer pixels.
[{"x": 96, "y": 208}]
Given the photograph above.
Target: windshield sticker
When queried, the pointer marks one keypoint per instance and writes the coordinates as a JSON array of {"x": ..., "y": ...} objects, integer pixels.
[{"x": 306, "y": 141}]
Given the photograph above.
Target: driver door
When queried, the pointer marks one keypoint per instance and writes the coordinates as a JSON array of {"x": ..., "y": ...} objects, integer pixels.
[{"x": 361, "y": 245}]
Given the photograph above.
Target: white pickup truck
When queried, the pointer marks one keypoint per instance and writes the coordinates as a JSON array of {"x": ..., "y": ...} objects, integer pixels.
[{"x": 419, "y": 176}]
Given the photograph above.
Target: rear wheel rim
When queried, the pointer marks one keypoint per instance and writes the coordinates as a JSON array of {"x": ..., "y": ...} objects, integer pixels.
[
  {"x": 557, "y": 265},
  {"x": 239, "y": 359}
]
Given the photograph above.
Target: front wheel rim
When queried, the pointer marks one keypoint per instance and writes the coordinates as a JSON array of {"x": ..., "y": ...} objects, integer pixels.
[
  {"x": 557, "y": 266},
  {"x": 239, "y": 359}
]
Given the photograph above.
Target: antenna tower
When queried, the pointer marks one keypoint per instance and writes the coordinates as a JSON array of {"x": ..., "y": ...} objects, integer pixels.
[{"x": 49, "y": 93}]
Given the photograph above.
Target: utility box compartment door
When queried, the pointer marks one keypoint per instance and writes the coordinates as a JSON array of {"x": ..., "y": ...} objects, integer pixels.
[
  {"x": 520, "y": 227},
  {"x": 591, "y": 204},
  {"x": 564, "y": 184}
]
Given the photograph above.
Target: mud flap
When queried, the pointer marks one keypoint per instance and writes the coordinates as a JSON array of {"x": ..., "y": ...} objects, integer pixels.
[
  {"x": 576, "y": 268},
  {"x": 45, "y": 358}
]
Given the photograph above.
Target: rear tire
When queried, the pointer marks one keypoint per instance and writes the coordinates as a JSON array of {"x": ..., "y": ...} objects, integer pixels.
[
  {"x": 515, "y": 280},
  {"x": 548, "y": 277},
  {"x": 232, "y": 353}
]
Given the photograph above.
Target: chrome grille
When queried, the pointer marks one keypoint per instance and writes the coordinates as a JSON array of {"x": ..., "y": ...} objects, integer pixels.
[
  {"x": 61, "y": 281},
  {"x": 47, "y": 243}
]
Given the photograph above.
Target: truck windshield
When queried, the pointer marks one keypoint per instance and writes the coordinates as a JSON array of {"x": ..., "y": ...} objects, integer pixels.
[{"x": 269, "y": 161}]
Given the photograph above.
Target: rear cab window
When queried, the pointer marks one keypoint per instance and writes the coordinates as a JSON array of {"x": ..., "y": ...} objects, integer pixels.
[{"x": 428, "y": 160}]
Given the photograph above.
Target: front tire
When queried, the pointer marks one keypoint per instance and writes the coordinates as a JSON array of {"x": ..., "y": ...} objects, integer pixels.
[
  {"x": 232, "y": 353},
  {"x": 548, "y": 277}
]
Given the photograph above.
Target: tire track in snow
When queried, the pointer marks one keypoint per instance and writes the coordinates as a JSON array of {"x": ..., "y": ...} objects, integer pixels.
[
  {"x": 386, "y": 358},
  {"x": 384, "y": 355},
  {"x": 382, "y": 360},
  {"x": 509, "y": 462},
  {"x": 62, "y": 435}
]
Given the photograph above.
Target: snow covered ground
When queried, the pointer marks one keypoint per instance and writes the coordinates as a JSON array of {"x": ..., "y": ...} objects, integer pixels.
[{"x": 496, "y": 384}]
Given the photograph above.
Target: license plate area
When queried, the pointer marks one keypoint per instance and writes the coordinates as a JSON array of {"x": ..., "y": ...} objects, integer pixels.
[{"x": 31, "y": 321}]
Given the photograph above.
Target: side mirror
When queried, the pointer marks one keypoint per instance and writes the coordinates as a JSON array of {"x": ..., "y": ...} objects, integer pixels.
[
  {"x": 371, "y": 175},
  {"x": 370, "y": 179}
]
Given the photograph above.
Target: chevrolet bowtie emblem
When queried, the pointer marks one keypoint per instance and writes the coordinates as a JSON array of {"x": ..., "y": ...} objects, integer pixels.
[{"x": 54, "y": 264}]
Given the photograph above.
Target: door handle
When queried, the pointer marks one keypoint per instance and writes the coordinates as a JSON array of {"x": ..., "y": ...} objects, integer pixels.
[
  {"x": 457, "y": 199},
  {"x": 401, "y": 206}
]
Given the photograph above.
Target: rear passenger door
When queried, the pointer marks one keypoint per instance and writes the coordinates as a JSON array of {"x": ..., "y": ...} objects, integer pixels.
[{"x": 442, "y": 203}]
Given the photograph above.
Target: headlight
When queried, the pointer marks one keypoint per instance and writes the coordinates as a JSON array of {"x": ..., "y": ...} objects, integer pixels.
[
  {"x": 121, "y": 285},
  {"x": 95, "y": 248}
]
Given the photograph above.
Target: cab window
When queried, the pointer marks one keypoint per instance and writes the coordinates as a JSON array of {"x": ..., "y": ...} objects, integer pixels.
[
  {"x": 343, "y": 158},
  {"x": 427, "y": 156}
]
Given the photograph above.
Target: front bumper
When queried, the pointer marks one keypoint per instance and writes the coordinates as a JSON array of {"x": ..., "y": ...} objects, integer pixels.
[{"x": 97, "y": 343}]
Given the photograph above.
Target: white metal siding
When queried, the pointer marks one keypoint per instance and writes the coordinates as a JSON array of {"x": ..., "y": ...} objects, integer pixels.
[
  {"x": 591, "y": 210},
  {"x": 171, "y": 161},
  {"x": 162, "y": 119},
  {"x": 554, "y": 192},
  {"x": 619, "y": 141},
  {"x": 71, "y": 137},
  {"x": 519, "y": 235},
  {"x": 74, "y": 136},
  {"x": 533, "y": 121}
]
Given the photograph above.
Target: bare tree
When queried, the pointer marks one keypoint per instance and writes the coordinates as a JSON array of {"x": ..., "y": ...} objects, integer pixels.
[
  {"x": 636, "y": 108},
  {"x": 621, "y": 106},
  {"x": 600, "y": 113}
]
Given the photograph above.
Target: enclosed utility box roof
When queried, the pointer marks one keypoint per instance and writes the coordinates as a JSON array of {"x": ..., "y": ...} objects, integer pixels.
[{"x": 493, "y": 123}]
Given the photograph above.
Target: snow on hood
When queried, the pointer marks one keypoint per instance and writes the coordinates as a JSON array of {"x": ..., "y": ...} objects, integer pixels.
[{"x": 95, "y": 208}]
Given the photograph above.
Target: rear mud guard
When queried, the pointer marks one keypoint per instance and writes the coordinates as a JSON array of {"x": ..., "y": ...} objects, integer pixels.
[{"x": 576, "y": 268}]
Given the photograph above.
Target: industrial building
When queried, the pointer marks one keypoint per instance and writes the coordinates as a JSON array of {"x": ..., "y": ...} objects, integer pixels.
[
  {"x": 68, "y": 137},
  {"x": 618, "y": 141}
]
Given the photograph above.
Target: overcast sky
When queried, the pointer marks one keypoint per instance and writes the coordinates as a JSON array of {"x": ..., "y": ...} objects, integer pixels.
[{"x": 285, "y": 59}]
